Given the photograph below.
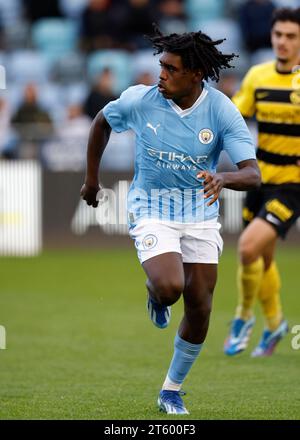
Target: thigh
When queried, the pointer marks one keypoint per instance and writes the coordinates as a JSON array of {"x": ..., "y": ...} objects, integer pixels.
[
  {"x": 200, "y": 281},
  {"x": 258, "y": 236},
  {"x": 165, "y": 271}
]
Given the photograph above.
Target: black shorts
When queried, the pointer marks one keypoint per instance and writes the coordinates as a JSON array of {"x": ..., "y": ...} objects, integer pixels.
[{"x": 279, "y": 205}]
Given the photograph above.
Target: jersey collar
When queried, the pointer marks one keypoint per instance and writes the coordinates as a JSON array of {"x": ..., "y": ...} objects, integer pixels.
[{"x": 189, "y": 110}]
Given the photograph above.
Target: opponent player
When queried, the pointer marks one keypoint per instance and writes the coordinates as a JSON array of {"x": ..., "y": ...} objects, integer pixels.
[
  {"x": 271, "y": 91},
  {"x": 181, "y": 126}
]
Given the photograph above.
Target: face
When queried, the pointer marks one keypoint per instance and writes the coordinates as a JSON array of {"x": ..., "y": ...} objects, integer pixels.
[
  {"x": 175, "y": 81},
  {"x": 285, "y": 38},
  {"x": 30, "y": 93}
]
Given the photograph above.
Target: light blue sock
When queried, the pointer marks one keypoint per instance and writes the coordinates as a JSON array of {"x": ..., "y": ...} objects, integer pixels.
[{"x": 184, "y": 356}]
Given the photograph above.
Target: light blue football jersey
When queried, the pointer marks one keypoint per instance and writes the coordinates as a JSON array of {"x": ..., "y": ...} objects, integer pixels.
[{"x": 172, "y": 146}]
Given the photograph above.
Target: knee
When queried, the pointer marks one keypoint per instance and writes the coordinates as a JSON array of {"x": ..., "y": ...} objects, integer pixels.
[
  {"x": 203, "y": 309},
  {"x": 199, "y": 305},
  {"x": 247, "y": 251},
  {"x": 167, "y": 292}
]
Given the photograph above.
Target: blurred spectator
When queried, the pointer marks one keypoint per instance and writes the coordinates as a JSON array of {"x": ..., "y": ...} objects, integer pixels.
[
  {"x": 100, "y": 94},
  {"x": 172, "y": 16},
  {"x": 97, "y": 25},
  {"x": 255, "y": 22},
  {"x": 36, "y": 9},
  {"x": 32, "y": 123},
  {"x": 136, "y": 21}
]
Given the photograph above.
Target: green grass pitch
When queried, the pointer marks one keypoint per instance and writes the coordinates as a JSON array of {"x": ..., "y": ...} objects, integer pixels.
[{"x": 81, "y": 346}]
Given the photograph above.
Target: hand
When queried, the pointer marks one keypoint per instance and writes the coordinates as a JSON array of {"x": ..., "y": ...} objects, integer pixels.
[
  {"x": 89, "y": 194},
  {"x": 212, "y": 185}
]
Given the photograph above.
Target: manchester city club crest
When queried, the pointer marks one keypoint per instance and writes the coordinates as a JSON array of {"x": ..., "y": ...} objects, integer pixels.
[
  {"x": 149, "y": 241},
  {"x": 206, "y": 136}
]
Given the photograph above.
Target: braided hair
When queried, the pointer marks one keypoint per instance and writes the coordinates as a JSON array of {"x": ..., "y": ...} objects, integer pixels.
[{"x": 197, "y": 51}]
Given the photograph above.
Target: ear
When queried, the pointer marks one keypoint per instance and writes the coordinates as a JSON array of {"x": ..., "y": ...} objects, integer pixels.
[{"x": 198, "y": 76}]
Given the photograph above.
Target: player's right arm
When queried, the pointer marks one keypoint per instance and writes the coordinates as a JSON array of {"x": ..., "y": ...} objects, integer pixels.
[
  {"x": 98, "y": 138},
  {"x": 118, "y": 115}
]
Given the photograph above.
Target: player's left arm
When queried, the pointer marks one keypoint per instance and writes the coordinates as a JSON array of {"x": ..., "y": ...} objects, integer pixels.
[{"x": 246, "y": 177}]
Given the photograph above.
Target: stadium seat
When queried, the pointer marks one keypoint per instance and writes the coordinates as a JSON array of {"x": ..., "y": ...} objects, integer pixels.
[
  {"x": 73, "y": 8},
  {"x": 17, "y": 36},
  {"x": 25, "y": 66},
  {"x": 50, "y": 96},
  {"x": 144, "y": 61},
  {"x": 204, "y": 10},
  {"x": 118, "y": 61},
  {"x": 11, "y": 12},
  {"x": 55, "y": 37},
  {"x": 70, "y": 68},
  {"x": 75, "y": 93},
  {"x": 218, "y": 29}
]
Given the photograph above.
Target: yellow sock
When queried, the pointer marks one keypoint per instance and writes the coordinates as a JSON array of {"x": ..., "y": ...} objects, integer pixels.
[
  {"x": 270, "y": 298},
  {"x": 249, "y": 279}
]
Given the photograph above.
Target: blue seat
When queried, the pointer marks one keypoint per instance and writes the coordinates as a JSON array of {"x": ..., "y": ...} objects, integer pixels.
[
  {"x": 70, "y": 68},
  {"x": 75, "y": 93},
  {"x": 55, "y": 37},
  {"x": 73, "y": 8},
  {"x": 204, "y": 10},
  {"x": 11, "y": 12},
  {"x": 51, "y": 99},
  {"x": 144, "y": 61},
  {"x": 118, "y": 61},
  {"x": 219, "y": 29},
  {"x": 25, "y": 66}
]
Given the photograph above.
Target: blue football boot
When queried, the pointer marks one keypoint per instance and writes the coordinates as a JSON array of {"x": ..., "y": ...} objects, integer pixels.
[
  {"x": 171, "y": 402},
  {"x": 269, "y": 340},
  {"x": 239, "y": 336},
  {"x": 159, "y": 315}
]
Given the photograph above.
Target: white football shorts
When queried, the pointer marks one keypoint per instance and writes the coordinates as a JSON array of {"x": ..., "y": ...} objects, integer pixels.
[{"x": 197, "y": 243}]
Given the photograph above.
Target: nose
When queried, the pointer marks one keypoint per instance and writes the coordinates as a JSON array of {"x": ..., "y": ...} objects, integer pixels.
[{"x": 163, "y": 75}]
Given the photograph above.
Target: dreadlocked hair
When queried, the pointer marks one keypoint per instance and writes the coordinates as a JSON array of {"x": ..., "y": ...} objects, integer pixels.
[{"x": 197, "y": 51}]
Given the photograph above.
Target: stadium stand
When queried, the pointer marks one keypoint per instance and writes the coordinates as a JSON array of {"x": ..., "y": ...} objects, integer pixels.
[{"x": 44, "y": 43}]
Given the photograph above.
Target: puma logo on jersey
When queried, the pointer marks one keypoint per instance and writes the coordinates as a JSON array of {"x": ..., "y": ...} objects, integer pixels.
[{"x": 153, "y": 128}]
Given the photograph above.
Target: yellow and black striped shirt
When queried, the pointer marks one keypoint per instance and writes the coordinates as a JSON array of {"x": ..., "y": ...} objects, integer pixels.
[{"x": 274, "y": 98}]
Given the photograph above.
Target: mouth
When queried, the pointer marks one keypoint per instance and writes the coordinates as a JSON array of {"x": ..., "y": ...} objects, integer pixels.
[
  {"x": 282, "y": 50},
  {"x": 161, "y": 88}
]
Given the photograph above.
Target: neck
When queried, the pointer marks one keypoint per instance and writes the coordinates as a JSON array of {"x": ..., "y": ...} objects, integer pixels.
[
  {"x": 287, "y": 66},
  {"x": 187, "y": 101}
]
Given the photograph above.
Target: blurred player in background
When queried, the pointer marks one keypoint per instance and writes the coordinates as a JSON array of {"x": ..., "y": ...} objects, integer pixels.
[
  {"x": 181, "y": 126},
  {"x": 271, "y": 91}
]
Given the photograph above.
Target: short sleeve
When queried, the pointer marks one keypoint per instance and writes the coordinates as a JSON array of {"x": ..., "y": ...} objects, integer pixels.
[
  {"x": 237, "y": 141},
  {"x": 120, "y": 113},
  {"x": 244, "y": 99}
]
